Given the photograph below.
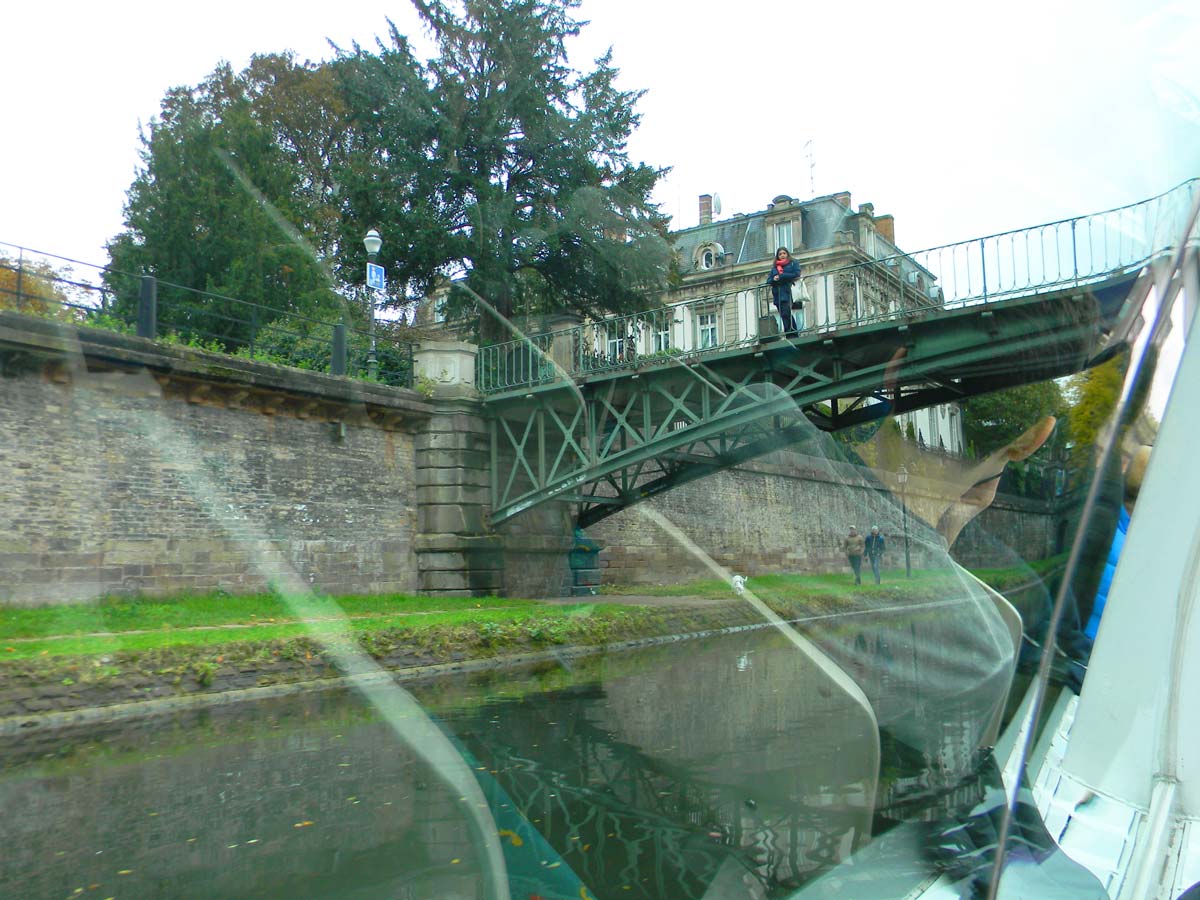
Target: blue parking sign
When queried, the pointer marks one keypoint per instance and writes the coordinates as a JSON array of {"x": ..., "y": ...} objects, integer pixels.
[{"x": 375, "y": 277}]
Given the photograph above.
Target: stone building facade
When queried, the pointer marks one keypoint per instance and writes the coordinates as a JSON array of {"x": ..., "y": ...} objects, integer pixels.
[{"x": 851, "y": 267}]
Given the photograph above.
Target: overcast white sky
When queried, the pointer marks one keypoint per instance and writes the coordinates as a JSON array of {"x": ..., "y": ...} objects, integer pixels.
[{"x": 958, "y": 121}]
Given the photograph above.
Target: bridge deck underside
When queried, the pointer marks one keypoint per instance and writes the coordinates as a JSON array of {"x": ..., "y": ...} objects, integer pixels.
[{"x": 609, "y": 442}]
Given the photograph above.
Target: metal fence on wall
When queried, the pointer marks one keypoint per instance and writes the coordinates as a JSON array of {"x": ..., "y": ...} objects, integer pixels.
[{"x": 51, "y": 287}]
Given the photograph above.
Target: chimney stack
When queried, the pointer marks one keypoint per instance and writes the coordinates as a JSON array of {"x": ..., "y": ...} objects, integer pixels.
[{"x": 705, "y": 209}]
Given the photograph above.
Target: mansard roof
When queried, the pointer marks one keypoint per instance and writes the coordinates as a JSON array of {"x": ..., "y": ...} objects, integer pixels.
[{"x": 747, "y": 238}]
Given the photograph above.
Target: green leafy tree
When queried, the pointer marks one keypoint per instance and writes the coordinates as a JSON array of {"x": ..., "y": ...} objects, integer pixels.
[
  {"x": 1093, "y": 395},
  {"x": 495, "y": 164},
  {"x": 993, "y": 420},
  {"x": 217, "y": 207},
  {"x": 500, "y": 165}
]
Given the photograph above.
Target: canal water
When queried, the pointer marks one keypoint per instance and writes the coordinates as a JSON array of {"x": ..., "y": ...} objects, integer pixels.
[{"x": 730, "y": 766}]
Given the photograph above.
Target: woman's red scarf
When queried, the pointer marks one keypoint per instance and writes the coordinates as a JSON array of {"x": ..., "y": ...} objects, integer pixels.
[{"x": 779, "y": 264}]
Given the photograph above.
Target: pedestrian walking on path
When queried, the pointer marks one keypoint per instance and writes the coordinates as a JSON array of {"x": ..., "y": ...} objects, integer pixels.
[
  {"x": 853, "y": 546},
  {"x": 875, "y": 545}
]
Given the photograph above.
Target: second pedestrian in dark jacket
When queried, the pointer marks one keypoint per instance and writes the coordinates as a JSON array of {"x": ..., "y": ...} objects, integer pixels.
[{"x": 874, "y": 546}]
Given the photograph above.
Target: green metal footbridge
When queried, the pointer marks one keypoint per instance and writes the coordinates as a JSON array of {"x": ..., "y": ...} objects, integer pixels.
[{"x": 613, "y": 412}]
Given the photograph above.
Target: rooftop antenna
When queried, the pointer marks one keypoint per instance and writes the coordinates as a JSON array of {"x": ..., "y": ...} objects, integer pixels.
[
  {"x": 812, "y": 165},
  {"x": 716, "y": 204}
]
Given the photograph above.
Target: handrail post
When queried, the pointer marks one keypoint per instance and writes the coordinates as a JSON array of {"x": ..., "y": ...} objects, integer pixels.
[
  {"x": 1074, "y": 253},
  {"x": 983, "y": 268},
  {"x": 337, "y": 361},
  {"x": 147, "y": 320},
  {"x": 20, "y": 279}
]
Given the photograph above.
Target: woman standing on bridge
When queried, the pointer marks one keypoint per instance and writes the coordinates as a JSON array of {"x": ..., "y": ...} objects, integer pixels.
[{"x": 783, "y": 274}]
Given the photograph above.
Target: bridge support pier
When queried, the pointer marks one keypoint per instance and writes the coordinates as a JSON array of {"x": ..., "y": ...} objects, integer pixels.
[
  {"x": 457, "y": 556},
  {"x": 458, "y": 553}
]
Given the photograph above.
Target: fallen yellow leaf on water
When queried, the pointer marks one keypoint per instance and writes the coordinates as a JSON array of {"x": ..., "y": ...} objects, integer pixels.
[
  {"x": 124, "y": 871},
  {"x": 455, "y": 861},
  {"x": 303, "y": 824}
]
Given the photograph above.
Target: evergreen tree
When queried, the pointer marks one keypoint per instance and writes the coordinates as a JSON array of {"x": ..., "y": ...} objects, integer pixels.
[
  {"x": 495, "y": 164},
  {"x": 500, "y": 164}
]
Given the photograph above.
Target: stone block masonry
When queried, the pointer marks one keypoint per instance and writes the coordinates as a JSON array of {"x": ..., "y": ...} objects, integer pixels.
[
  {"x": 127, "y": 467},
  {"x": 457, "y": 555},
  {"x": 130, "y": 468},
  {"x": 787, "y": 513}
]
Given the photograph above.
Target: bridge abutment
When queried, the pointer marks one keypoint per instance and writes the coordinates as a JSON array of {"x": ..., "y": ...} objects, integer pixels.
[{"x": 458, "y": 553}]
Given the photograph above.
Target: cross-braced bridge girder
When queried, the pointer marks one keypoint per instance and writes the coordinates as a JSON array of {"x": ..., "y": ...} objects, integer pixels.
[{"x": 613, "y": 440}]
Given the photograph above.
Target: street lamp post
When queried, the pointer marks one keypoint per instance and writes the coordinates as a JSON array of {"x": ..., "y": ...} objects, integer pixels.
[
  {"x": 372, "y": 242},
  {"x": 902, "y": 479}
]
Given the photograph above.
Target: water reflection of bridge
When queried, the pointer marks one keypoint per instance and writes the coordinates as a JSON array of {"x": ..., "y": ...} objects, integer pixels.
[
  {"x": 606, "y": 421},
  {"x": 739, "y": 780}
]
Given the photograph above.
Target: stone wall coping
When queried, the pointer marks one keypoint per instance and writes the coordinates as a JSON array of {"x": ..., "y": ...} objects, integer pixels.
[
  {"x": 443, "y": 346},
  {"x": 51, "y": 341}
]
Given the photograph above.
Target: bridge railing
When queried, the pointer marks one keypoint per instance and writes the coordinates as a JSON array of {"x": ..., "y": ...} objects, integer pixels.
[
  {"x": 1046, "y": 257},
  {"x": 48, "y": 286},
  {"x": 655, "y": 336}
]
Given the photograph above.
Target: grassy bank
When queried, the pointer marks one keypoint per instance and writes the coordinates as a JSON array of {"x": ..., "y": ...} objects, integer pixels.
[
  {"x": 124, "y": 649},
  {"x": 212, "y": 621}
]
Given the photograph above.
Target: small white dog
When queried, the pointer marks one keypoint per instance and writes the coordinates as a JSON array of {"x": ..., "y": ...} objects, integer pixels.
[{"x": 739, "y": 584}]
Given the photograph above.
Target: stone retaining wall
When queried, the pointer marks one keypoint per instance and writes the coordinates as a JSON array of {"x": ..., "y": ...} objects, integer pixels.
[
  {"x": 129, "y": 467},
  {"x": 788, "y": 513}
]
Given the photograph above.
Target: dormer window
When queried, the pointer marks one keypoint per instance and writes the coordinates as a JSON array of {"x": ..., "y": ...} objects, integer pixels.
[
  {"x": 708, "y": 256},
  {"x": 783, "y": 235}
]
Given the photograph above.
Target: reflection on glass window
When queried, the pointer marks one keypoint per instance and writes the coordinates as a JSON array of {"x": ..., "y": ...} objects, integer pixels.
[
  {"x": 783, "y": 235},
  {"x": 662, "y": 338}
]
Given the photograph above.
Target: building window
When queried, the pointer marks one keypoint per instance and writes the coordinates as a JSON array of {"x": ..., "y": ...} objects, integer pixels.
[
  {"x": 783, "y": 235},
  {"x": 616, "y": 348},
  {"x": 706, "y": 326},
  {"x": 662, "y": 338},
  {"x": 708, "y": 256}
]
